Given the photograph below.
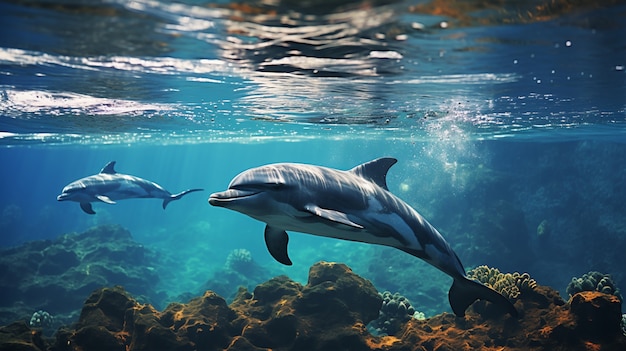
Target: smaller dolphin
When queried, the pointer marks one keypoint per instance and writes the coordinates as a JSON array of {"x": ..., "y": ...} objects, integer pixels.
[{"x": 109, "y": 186}]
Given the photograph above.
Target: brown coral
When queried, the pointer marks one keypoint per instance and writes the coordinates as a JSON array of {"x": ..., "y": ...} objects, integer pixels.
[
  {"x": 510, "y": 285},
  {"x": 329, "y": 313}
]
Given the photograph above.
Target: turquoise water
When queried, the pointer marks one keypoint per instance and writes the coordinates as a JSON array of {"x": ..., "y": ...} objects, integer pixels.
[{"x": 504, "y": 125}]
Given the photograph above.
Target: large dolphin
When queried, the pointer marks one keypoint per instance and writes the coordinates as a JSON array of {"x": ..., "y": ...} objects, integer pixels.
[
  {"x": 352, "y": 205},
  {"x": 109, "y": 186}
]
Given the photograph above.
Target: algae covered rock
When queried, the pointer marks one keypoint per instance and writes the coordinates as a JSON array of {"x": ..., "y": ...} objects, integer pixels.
[
  {"x": 331, "y": 310},
  {"x": 333, "y": 287},
  {"x": 18, "y": 336},
  {"x": 598, "y": 315},
  {"x": 278, "y": 315},
  {"x": 57, "y": 275},
  {"x": 329, "y": 313}
]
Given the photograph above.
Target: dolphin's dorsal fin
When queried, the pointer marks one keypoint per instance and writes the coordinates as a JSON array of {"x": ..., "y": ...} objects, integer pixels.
[
  {"x": 109, "y": 168},
  {"x": 376, "y": 170}
]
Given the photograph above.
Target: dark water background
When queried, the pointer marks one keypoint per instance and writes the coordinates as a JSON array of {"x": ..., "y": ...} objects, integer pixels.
[{"x": 508, "y": 123}]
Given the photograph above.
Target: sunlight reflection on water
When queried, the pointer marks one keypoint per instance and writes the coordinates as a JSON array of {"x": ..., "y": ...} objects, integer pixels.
[{"x": 253, "y": 68}]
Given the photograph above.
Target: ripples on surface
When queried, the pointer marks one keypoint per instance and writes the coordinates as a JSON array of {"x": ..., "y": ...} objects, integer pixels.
[{"x": 139, "y": 71}]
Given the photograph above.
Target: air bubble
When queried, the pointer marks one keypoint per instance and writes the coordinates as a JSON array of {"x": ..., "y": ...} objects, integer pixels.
[{"x": 416, "y": 25}]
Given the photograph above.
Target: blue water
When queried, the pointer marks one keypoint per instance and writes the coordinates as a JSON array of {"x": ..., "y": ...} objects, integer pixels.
[{"x": 502, "y": 119}]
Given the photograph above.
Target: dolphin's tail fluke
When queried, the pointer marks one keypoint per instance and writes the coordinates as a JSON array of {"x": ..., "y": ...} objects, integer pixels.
[
  {"x": 464, "y": 292},
  {"x": 167, "y": 200}
]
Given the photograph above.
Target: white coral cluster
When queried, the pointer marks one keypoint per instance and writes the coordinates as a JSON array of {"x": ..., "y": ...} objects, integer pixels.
[
  {"x": 239, "y": 260},
  {"x": 41, "y": 319},
  {"x": 510, "y": 285}
]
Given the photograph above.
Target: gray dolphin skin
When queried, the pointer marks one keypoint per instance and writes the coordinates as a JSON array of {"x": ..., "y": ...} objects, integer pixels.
[
  {"x": 353, "y": 205},
  {"x": 109, "y": 186}
]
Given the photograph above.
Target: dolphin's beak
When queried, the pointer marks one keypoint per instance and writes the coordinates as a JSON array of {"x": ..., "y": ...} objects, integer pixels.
[
  {"x": 222, "y": 199},
  {"x": 62, "y": 197}
]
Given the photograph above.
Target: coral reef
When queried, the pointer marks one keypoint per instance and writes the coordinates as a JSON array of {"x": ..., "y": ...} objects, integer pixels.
[
  {"x": 594, "y": 281},
  {"x": 328, "y": 313},
  {"x": 239, "y": 260},
  {"x": 394, "y": 312},
  {"x": 240, "y": 269},
  {"x": 55, "y": 276},
  {"x": 41, "y": 319},
  {"x": 19, "y": 336},
  {"x": 510, "y": 285}
]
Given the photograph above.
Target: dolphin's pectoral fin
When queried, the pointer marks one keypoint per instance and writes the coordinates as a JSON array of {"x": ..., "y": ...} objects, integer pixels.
[
  {"x": 86, "y": 207},
  {"x": 331, "y": 215},
  {"x": 464, "y": 292},
  {"x": 105, "y": 199},
  {"x": 276, "y": 241}
]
